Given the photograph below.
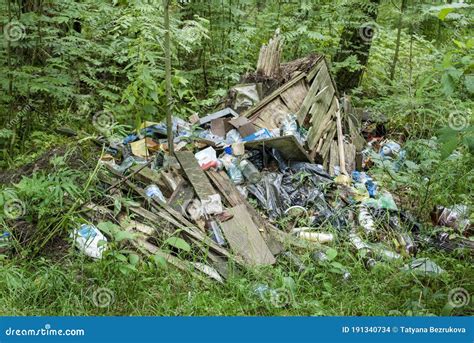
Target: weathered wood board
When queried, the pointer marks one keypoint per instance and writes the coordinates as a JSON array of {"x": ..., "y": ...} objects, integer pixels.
[
  {"x": 294, "y": 96},
  {"x": 270, "y": 116},
  {"x": 195, "y": 174},
  {"x": 245, "y": 239},
  {"x": 333, "y": 158},
  {"x": 252, "y": 111}
]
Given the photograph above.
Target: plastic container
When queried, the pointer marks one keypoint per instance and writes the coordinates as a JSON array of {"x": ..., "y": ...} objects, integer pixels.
[
  {"x": 366, "y": 221},
  {"x": 90, "y": 241},
  {"x": 216, "y": 232},
  {"x": 235, "y": 174},
  {"x": 250, "y": 171},
  {"x": 154, "y": 192},
  {"x": 318, "y": 237}
]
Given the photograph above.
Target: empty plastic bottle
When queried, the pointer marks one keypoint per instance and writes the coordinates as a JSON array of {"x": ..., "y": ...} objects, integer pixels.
[
  {"x": 216, "y": 232},
  {"x": 235, "y": 174},
  {"x": 250, "y": 171},
  {"x": 154, "y": 192}
]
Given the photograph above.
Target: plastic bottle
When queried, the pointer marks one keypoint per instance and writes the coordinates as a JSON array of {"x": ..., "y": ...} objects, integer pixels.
[
  {"x": 366, "y": 221},
  {"x": 216, "y": 232},
  {"x": 250, "y": 171},
  {"x": 295, "y": 260},
  {"x": 235, "y": 174},
  {"x": 318, "y": 237},
  {"x": 154, "y": 192},
  {"x": 407, "y": 243}
]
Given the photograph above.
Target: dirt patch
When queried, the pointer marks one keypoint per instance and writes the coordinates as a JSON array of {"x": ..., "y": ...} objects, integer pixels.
[{"x": 74, "y": 159}]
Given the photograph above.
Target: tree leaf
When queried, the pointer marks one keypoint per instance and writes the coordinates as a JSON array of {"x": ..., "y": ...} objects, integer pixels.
[
  {"x": 331, "y": 254},
  {"x": 160, "y": 261},
  {"x": 123, "y": 235},
  {"x": 469, "y": 83},
  {"x": 179, "y": 243},
  {"x": 134, "y": 259},
  {"x": 444, "y": 12}
]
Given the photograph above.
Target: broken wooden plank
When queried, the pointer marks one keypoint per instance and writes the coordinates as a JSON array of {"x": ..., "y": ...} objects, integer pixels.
[
  {"x": 251, "y": 112},
  {"x": 195, "y": 174},
  {"x": 320, "y": 82},
  {"x": 312, "y": 73},
  {"x": 226, "y": 187},
  {"x": 181, "y": 197},
  {"x": 317, "y": 130},
  {"x": 333, "y": 158},
  {"x": 268, "y": 63},
  {"x": 245, "y": 239},
  {"x": 329, "y": 138},
  {"x": 270, "y": 116},
  {"x": 294, "y": 96}
]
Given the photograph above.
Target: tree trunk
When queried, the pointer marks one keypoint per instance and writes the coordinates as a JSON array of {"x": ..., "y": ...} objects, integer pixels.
[
  {"x": 356, "y": 40},
  {"x": 169, "y": 123},
  {"x": 397, "y": 45}
]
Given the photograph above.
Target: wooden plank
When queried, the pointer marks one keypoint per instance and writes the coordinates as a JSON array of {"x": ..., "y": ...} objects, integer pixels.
[
  {"x": 181, "y": 197},
  {"x": 317, "y": 130},
  {"x": 226, "y": 187},
  {"x": 146, "y": 174},
  {"x": 312, "y": 73},
  {"x": 234, "y": 198},
  {"x": 294, "y": 96},
  {"x": 320, "y": 82},
  {"x": 244, "y": 238},
  {"x": 340, "y": 139},
  {"x": 349, "y": 156},
  {"x": 195, "y": 174},
  {"x": 309, "y": 99},
  {"x": 329, "y": 138},
  {"x": 270, "y": 116},
  {"x": 288, "y": 146},
  {"x": 333, "y": 158},
  {"x": 251, "y": 112}
]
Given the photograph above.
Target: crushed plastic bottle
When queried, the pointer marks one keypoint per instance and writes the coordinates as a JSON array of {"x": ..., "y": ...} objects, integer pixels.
[{"x": 90, "y": 240}]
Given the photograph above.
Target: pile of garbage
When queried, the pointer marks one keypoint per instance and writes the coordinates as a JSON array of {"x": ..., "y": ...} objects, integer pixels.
[{"x": 235, "y": 185}]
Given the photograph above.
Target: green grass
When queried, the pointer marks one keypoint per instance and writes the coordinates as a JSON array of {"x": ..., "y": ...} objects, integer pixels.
[
  {"x": 65, "y": 284},
  {"x": 44, "y": 287}
]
